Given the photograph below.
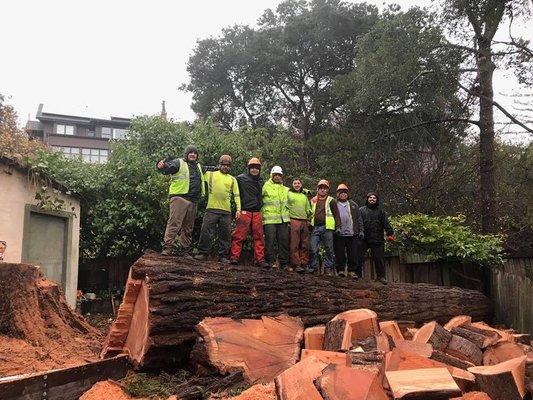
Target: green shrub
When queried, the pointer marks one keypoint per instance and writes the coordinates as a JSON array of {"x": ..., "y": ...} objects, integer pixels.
[{"x": 445, "y": 239}]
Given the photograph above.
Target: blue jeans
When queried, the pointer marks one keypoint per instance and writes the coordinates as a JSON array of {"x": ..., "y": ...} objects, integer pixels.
[{"x": 321, "y": 234}]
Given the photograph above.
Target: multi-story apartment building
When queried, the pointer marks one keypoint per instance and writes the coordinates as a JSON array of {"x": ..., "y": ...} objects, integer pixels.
[{"x": 84, "y": 137}]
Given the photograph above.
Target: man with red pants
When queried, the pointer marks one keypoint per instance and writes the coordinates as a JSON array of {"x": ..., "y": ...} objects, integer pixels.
[{"x": 250, "y": 187}]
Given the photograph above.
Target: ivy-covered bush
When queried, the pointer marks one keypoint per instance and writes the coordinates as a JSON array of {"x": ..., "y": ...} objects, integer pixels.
[{"x": 445, "y": 239}]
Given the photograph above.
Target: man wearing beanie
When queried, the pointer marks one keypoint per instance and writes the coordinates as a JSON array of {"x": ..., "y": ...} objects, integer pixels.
[
  {"x": 375, "y": 222},
  {"x": 250, "y": 220},
  {"x": 186, "y": 188}
]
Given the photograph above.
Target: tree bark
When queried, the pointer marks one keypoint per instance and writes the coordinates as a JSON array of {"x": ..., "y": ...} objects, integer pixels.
[
  {"x": 486, "y": 138},
  {"x": 167, "y": 296}
]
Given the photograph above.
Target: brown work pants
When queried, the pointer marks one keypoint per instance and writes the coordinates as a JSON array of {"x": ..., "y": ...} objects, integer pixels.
[
  {"x": 299, "y": 243},
  {"x": 180, "y": 222}
]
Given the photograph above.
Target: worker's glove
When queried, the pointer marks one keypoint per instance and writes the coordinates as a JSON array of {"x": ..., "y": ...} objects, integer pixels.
[
  {"x": 361, "y": 235},
  {"x": 338, "y": 231},
  {"x": 391, "y": 238}
]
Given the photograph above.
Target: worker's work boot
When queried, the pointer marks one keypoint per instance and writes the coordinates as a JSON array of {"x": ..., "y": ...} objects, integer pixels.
[
  {"x": 263, "y": 264},
  {"x": 200, "y": 257},
  {"x": 224, "y": 260},
  {"x": 353, "y": 275},
  {"x": 383, "y": 280},
  {"x": 167, "y": 251},
  {"x": 233, "y": 261},
  {"x": 299, "y": 269},
  {"x": 329, "y": 272}
]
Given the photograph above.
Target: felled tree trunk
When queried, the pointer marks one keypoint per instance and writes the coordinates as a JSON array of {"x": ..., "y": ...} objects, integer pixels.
[{"x": 167, "y": 296}]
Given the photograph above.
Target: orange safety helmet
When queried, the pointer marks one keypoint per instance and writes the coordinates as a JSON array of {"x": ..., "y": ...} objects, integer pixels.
[
  {"x": 254, "y": 161},
  {"x": 323, "y": 182},
  {"x": 342, "y": 186},
  {"x": 225, "y": 159}
]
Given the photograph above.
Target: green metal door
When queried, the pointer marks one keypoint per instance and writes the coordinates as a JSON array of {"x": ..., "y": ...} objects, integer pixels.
[{"x": 45, "y": 245}]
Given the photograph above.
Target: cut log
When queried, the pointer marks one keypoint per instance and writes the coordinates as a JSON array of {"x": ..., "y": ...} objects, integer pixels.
[
  {"x": 399, "y": 360},
  {"x": 427, "y": 383},
  {"x": 297, "y": 382},
  {"x": 337, "y": 336},
  {"x": 473, "y": 396},
  {"x": 434, "y": 334},
  {"x": 363, "y": 322},
  {"x": 451, "y": 360},
  {"x": 392, "y": 329},
  {"x": 504, "y": 336},
  {"x": 183, "y": 292},
  {"x": 503, "y": 351},
  {"x": 314, "y": 337},
  {"x": 459, "y": 320},
  {"x": 344, "y": 383},
  {"x": 261, "y": 348},
  {"x": 422, "y": 349},
  {"x": 465, "y": 350},
  {"x": 481, "y": 338},
  {"x": 504, "y": 381},
  {"x": 328, "y": 357},
  {"x": 371, "y": 360}
]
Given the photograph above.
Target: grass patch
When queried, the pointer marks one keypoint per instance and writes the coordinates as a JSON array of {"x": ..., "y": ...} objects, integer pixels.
[{"x": 153, "y": 386}]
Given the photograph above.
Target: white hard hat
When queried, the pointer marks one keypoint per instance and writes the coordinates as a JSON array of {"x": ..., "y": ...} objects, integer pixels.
[{"x": 276, "y": 169}]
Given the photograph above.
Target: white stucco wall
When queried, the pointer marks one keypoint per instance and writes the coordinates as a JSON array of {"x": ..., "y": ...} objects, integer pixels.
[{"x": 16, "y": 191}]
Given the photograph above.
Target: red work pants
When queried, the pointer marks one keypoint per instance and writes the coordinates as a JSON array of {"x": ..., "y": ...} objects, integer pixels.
[
  {"x": 248, "y": 221},
  {"x": 299, "y": 247}
]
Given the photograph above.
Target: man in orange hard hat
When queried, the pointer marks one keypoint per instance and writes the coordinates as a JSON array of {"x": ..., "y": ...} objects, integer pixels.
[
  {"x": 347, "y": 238},
  {"x": 250, "y": 220},
  {"x": 324, "y": 219}
]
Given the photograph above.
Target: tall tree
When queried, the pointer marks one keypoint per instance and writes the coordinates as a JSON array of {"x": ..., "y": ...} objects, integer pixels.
[
  {"x": 282, "y": 71},
  {"x": 484, "y": 18}
]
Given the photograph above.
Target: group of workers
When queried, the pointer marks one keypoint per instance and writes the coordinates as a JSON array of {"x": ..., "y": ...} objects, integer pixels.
[{"x": 287, "y": 225}]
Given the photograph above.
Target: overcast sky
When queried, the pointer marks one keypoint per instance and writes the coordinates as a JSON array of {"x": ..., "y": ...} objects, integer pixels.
[{"x": 122, "y": 58}]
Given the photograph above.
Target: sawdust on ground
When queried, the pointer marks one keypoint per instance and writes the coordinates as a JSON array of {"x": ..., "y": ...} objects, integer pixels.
[
  {"x": 258, "y": 392},
  {"x": 105, "y": 390}
]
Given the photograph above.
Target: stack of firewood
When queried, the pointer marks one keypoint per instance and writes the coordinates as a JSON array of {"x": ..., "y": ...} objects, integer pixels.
[{"x": 354, "y": 356}]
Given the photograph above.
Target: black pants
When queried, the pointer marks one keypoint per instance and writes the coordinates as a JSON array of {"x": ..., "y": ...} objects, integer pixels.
[
  {"x": 212, "y": 220},
  {"x": 345, "y": 253},
  {"x": 277, "y": 234},
  {"x": 378, "y": 257}
]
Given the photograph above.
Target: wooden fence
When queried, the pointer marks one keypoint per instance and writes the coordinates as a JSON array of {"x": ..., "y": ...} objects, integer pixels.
[{"x": 512, "y": 294}]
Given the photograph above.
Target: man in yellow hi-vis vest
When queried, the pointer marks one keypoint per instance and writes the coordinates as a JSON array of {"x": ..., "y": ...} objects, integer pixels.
[
  {"x": 186, "y": 188},
  {"x": 222, "y": 187},
  {"x": 276, "y": 218},
  {"x": 325, "y": 219}
]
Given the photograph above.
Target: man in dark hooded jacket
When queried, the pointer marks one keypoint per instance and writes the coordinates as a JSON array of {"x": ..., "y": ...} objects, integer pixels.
[
  {"x": 375, "y": 222},
  {"x": 187, "y": 185}
]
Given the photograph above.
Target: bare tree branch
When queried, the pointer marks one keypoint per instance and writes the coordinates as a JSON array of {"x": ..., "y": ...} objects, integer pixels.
[
  {"x": 497, "y": 105},
  {"x": 437, "y": 121}
]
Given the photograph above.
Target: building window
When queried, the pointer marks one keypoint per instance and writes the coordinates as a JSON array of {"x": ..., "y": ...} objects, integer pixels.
[
  {"x": 119, "y": 133},
  {"x": 64, "y": 129},
  {"x": 97, "y": 156},
  {"x": 106, "y": 132}
]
